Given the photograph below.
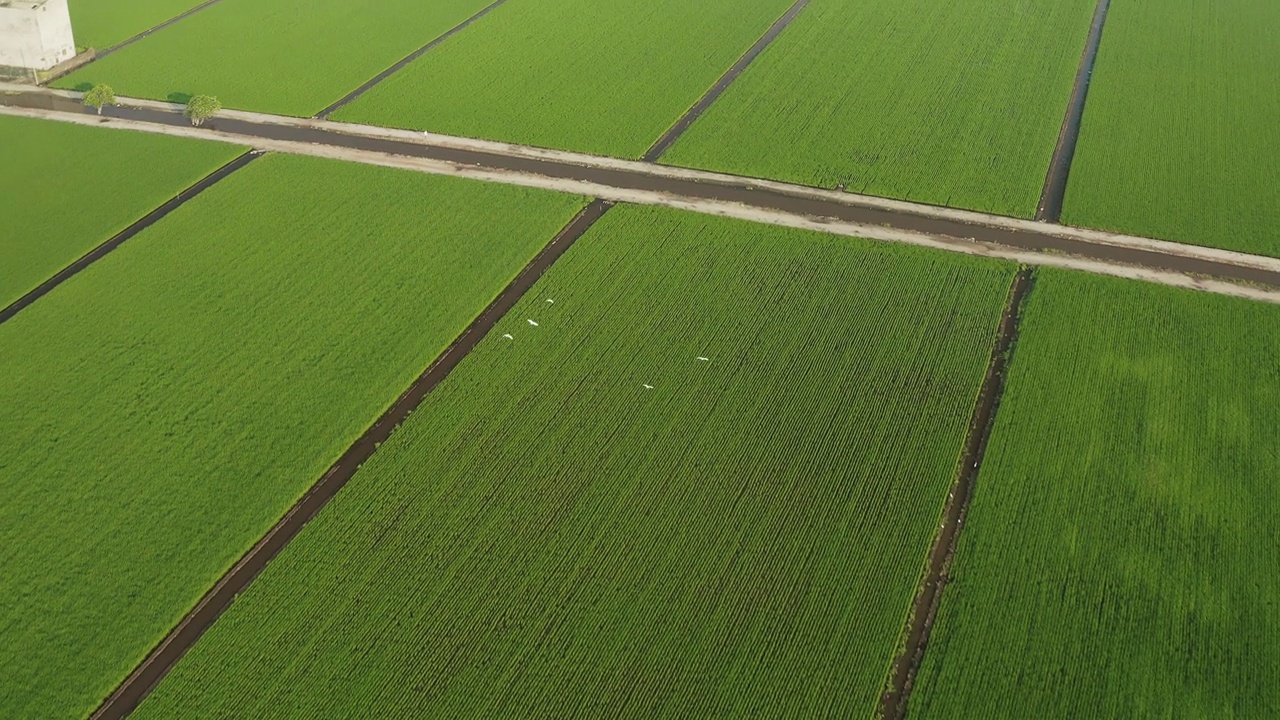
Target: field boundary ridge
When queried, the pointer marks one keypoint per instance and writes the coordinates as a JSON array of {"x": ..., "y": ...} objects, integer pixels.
[
  {"x": 151, "y": 31},
  {"x": 407, "y": 60},
  {"x": 669, "y": 138},
  {"x": 8, "y": 312}
]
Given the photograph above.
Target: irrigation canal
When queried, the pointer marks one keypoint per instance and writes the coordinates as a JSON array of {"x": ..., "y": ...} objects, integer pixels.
[{"x": 1055, "y": 184}]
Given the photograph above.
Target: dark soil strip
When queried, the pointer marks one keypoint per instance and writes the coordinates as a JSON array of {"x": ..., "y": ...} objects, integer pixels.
[
  {"x": 740, "y": 190},
  {"x": 669, "y": 138},
  {"x": 1055, "y": 185},
  {"x": 103, "y": 53},
  {"x": 147, "y": 221},
  {"x": 893, "y": 704},
  {"x": 400, "y": 65},
  {"x": 143, "y": 680}
]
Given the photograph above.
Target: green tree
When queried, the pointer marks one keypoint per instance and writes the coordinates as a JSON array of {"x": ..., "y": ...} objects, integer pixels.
[
  {"x": 201, "y": 108},
  {"x": 100, "y": 96}
]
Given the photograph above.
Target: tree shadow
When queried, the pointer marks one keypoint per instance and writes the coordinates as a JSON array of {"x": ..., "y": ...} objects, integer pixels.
[
  {"x": 83, "y": 87},
  {"x": 180, "y": 98}
]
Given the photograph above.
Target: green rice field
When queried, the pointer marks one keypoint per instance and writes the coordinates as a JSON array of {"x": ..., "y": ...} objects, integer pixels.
[
  {"x": 1119, "y": 558},
  {"x": 64, "y": 189},
  {"x": 292, "y": 57},
  {"x": 547, "y": 537},
  {"x": 165, "y": 406},
  {"x": 604, "y": 78},
  {"x": 688, "y": 466},
  {"x": 101, "y": 24},
  {"x": 1180, "y": 139},
  {"x": 939, "y": 102}
]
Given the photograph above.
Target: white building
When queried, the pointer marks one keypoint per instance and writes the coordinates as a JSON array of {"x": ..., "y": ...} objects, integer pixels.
[{"x": 34, "y": 35}]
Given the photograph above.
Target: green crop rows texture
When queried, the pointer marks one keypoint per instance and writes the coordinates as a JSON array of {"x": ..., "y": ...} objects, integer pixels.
[
  {"x": 600, "y": 77},
  {"x": 1181, "y": 137},
  {"x": 163, "y": 408},
  {"x": 102, "y": 23},
  {"x": 64, "y": 189},
  {"x": 949, "y": 103},
  {"x": 1119, "y": 558},
  {"x": 547, "y": 538},
  {"x": 293, "y": 57}
]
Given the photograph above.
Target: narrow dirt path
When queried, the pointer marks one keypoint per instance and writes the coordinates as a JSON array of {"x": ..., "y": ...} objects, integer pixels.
[
  {"x": 119, "y": 238},
  {"x": 351, "y": 97},
  {"x": 893, "y": 703},
  {"x": 669, "y": 138},
  {"x": 1055, "y": 184}
]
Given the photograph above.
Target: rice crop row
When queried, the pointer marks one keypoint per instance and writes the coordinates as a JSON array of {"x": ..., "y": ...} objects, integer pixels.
[
  {"x": 701, "y": 485},
  {"x": 940, "y": 102},
  {"x": 165, "y": 406},
  {"x": 605, "y": 78},
  {"x": 1119, "y": 558},
  {"x": 64, "y": 189},
  {"x": 293, "y": 57},
  {"x": 1180, "y": 139},
  {"x": 102, "y": 23}
]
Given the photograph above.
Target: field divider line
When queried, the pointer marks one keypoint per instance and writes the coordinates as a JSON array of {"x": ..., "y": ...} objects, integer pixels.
[
  {"x": 139, "y": 684},
  {"x": 893, "y": 703},
  {"x": 151, "y": 31},
  {"x": 137, "y": 226},
  {"x": 721, "y": 208},
  {"x": 669, "y": 138},
  {"x": 376, "y": 79},
  {"x": 337, "y": 132},
  {"x": 1054, "y": 193}
]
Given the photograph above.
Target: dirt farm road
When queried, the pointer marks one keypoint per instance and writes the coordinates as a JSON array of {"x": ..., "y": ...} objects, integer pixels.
[{"x": 631, "y": 181}]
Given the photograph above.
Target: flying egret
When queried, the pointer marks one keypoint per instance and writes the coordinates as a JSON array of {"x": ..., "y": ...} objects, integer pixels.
[
  {"x": 533, "y": 323},
  {"x": 553, "y": 302},
  {"x": 508, "y": 336},
  {"x": 648, "y": 387},
  {"x": 704, "y": 359}
]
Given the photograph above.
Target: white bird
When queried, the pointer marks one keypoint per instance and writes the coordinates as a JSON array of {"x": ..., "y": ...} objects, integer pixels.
[
  {"x": 553, "y": 302},
  {"x": 704, "y": 359},
  {"x": 648, "y": 387},
  {"x": 508, "y": 336},
  {"x": 531, "y": 322}
]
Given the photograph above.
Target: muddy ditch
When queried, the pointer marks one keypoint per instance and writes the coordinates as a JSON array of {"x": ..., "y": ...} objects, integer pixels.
[
  {"x": 369, "y": 85},
  {"x": 669, "y": 138},
  {"x": 1055, "y": 184},
  {"x": 121, "y": 237},
  {"x": 893, "y": 702}
]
